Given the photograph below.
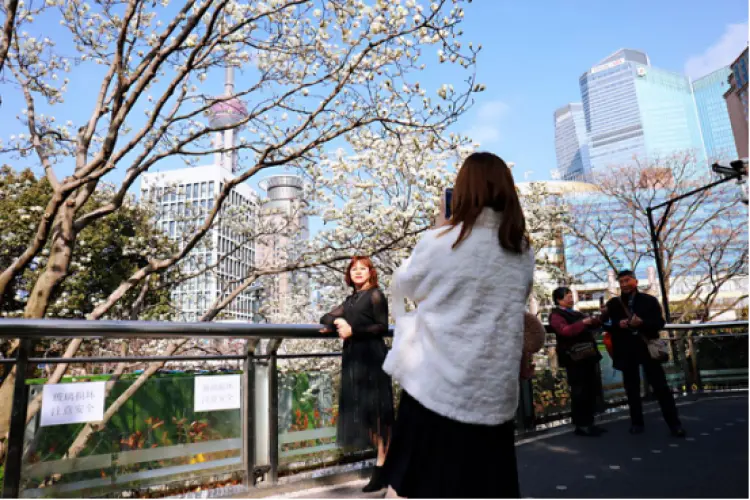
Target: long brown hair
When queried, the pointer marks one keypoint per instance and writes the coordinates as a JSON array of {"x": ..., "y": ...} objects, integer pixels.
[
  {"x": 484, "y": 180},
  {"x": 372, "y": 282}
]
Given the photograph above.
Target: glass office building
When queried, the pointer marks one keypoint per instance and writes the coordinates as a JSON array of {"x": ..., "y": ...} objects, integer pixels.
[
  {"x": 633, "y": 110},
  {"x": 714, "y": 116},
  {"x": 571, "y": 143}
]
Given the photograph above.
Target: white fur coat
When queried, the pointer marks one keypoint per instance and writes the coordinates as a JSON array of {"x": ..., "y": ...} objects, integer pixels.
[{"x": 463, "y": 360}]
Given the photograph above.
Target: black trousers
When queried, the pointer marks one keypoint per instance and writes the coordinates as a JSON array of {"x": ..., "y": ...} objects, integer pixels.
[
  {"x": 582, "y": 379},
  {"x": 631, "y": 377}
]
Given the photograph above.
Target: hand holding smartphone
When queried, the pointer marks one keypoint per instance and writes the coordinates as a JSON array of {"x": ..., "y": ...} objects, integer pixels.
[
  {"x": 445, "y": 208},
  {"x": 447, "y": 201}
]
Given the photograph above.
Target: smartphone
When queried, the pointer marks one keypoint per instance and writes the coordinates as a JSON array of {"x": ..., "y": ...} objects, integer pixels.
[{"x": 448, "y": 200}]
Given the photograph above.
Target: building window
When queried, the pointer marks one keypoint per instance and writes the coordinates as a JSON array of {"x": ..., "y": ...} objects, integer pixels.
[{"x": 203, "y": 190}]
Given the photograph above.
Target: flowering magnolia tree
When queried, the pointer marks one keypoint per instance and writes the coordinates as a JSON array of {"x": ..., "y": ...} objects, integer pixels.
[
  {"x": 316, "y": 75},
  {"x": 547, "y": 217}
]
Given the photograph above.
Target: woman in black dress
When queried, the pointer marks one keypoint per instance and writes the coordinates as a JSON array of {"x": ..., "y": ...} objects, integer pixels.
[{"x": 366, "y": 398}]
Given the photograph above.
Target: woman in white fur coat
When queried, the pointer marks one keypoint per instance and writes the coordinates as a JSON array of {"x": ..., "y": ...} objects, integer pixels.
[{"x": 454, "y": 433}]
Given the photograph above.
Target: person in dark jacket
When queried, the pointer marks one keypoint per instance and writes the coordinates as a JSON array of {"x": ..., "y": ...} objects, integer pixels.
[
  {"x": 635, "y": 317},
  {"x": 578, "y": 353}
]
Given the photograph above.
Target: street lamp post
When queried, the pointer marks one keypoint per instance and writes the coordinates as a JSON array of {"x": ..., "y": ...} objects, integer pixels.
[{"x": 736, "y": 171}]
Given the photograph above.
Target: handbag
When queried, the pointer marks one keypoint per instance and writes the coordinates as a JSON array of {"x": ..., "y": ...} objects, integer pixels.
[
  {"x": 406, "y": 352},
  {"x": 581, "y": 351},
  {"x": 658, "y": 349}
]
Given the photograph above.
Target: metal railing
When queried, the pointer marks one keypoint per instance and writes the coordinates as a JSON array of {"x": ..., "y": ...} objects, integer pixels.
[
  {"x": 251, "y": 462},
  {"x": 252, "y": 443}
]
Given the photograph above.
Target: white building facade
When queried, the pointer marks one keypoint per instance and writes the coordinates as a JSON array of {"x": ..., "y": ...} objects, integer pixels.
[{"x": 183, "y": 198}]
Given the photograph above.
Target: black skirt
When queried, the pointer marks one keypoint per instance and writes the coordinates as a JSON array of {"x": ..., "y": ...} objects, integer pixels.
[
  {"x": 432, "y": 456},
  {"x": 366, "y": 398}
]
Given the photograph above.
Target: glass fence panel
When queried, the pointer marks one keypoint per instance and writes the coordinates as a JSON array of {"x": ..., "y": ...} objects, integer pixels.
[
  {"x": 175, "y": 426},
  {"x": 308, "y": 412},
  {"x": 550, "y": 391},
  {"x": 722, "y": 361}
]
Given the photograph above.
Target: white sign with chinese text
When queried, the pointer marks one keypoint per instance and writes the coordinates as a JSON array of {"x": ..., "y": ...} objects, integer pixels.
[
  {"x": 72, "y": 403},
  {"x": 217, "y": 392}
]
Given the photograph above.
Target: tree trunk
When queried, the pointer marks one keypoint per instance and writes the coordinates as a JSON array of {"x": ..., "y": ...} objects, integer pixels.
[
  {"x": 61, "y": 253},
  {"x": 6, "y": 394}
]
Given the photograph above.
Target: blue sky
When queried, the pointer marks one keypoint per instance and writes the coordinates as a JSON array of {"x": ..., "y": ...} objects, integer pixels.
[
  {"x": 533, "y": 54},
  {"x": 535, "y": 51}
]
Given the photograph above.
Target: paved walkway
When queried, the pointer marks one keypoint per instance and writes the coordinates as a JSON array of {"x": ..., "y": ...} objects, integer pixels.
[{"x": 711, "y": 463}]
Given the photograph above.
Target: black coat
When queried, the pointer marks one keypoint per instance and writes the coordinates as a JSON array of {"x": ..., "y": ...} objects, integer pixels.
[{"x": 628, "y": 346}]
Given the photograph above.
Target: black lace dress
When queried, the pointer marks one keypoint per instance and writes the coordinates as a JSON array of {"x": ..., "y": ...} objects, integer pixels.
[{"x": 366, "y": 397}]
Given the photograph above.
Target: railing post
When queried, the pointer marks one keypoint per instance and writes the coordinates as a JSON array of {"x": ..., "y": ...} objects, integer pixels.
[
  {"x": 683, "y": 349},
  {"x": 696, "y": 368},
  {"x": 601, "y": 404},
  {"x": 525, "y": 412},
  {"x": 248, "y": 413},
  {"x": 273, "y": 416},
  {"x": 14, "y": 457}
]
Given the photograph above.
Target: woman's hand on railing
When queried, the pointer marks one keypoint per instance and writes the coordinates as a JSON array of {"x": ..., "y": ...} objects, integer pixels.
[{"x": 343, "y": 328}]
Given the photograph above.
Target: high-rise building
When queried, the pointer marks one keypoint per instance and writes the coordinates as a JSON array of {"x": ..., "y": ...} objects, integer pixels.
[
  {"x": 634, "y": 110},
  {"x": 286, "y": 229},
  {"x": 714, "y": 116},
  {"x": 736, "y": 98},
  {"x": 184, "y": 197},
  {"x": 571, "y": 143}
]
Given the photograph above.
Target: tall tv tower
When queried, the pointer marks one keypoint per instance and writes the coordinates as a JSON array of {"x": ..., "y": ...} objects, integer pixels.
[{"x": 227, "y": 111}]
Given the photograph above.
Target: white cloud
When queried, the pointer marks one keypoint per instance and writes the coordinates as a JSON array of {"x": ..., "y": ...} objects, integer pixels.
[
  {"x": 732, "y": 42},
  {"x": 486, "y": 128}
]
